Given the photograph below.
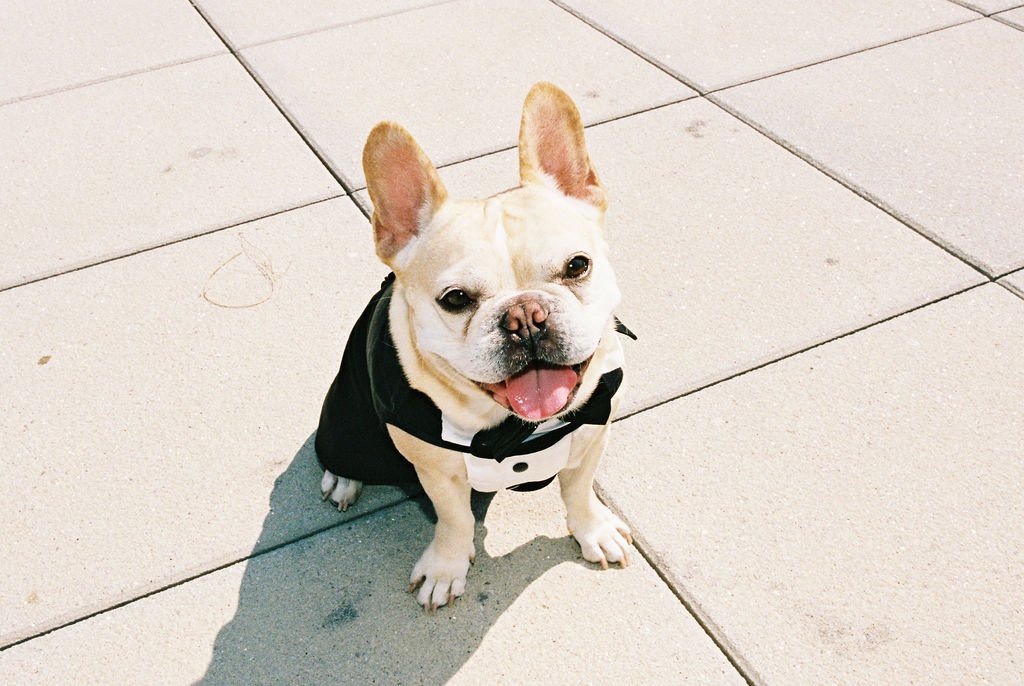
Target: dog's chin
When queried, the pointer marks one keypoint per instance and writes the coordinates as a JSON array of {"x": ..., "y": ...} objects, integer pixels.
[{"x": 538, "y": 391}]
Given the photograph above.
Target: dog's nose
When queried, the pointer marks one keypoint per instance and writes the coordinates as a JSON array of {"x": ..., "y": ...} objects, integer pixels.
[{"x": 525, "y": 320}]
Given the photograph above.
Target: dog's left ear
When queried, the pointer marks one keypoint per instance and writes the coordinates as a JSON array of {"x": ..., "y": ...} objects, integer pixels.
[
  {"x": 404, "y": 187},
  {"x": 552, "y": 151}
]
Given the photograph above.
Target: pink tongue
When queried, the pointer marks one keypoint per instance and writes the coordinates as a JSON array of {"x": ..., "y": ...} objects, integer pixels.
[{"x": 540, "y": 392}]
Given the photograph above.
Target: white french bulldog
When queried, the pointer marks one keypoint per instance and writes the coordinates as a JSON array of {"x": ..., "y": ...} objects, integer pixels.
[{"x": 490, "y": 358}]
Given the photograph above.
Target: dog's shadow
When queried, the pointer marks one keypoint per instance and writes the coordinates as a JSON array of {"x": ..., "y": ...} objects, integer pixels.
[{"x": 334, "y": 607}]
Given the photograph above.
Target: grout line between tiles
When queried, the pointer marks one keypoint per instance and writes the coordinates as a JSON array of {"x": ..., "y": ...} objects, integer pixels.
[
  {"x": 982, "y": 12},
  {"x": 163, "y": 244},
  {"x": 858, "y": 51},
  {"x": 744, "y": 669},
  {"x": 785, "y": 356},
  {"x": 859, "y": 191},
  {"x": 599, "y": 122},
  {"x": 959, "y": 3},
  {"x": 350, "y": 188},
  {"x": 628, "y": 46},
  {"x": 689, "y": 603},
  {"x": 469, "y": 158},
  {"x": 1004, "y": 22},
  {"x": 707, "y": 624},
  {"x": 704, "y": 94},
  {"x": 1019, "y": 292},
  {"x": 192, "y": 577},
  {"x": 1019, "y": 269},
  {"x": 341, "y": 24},
  {"x": 110, "y": 77},
  {"x": 292, "y": 121},
  {"x": 639, "y": 52},
  {"x": 366, "y": 212}
]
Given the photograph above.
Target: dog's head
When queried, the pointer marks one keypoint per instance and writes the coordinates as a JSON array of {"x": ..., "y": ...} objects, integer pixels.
[{"x": 508, "y": 296}]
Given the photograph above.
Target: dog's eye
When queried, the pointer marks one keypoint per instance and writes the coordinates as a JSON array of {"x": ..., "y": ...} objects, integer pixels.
[
  {"x": 577, "y": 267},
  {"x": 455, "y": 300}
]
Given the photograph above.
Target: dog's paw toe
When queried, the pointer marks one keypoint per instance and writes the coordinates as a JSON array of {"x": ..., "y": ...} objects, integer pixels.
[
  {"x": 341, "y": 491},
  {"x": 603, "y": 539},
  {"x": 327, "y": 484},
  {"x": 439, "y": 578}
]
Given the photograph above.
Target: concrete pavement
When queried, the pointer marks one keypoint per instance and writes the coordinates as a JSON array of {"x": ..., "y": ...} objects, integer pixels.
[{"x": 817, "y": 217}]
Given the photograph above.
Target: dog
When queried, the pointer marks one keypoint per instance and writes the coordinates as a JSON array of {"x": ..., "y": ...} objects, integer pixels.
[{"x": 489, "y": 358}]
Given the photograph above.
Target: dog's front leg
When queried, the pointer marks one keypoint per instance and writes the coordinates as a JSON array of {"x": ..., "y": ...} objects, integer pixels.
[
  {"x": 440, "y": 573},
  {"x": 602, "y": 536}
]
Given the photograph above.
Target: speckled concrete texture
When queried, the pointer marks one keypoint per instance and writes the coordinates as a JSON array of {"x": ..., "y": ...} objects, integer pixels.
[
  {"x": 1015, "y": 282},
  {"x": 1013, "y": 17},
  {"x": 932, "y": 152},
  {"x": 744, "y": 254},
  {"x": 469, "y": 47},
  {"x": 66, "y": 43},
  {"x": 333, "y": 607},
  {"x": 819, "y": 450},
  {"x": 104, "y": 170},
  {"x": 989, "y": 6},
  {"x": 713, "y": 44},
  {"x": 850, "y": 515},
  {"x": 248, "y": 22},
  {"x": 165, "y": 405}
]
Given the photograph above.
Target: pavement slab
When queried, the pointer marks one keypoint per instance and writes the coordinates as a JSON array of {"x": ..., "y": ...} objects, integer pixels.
[
  {"x": 850, "y": 515},
  {"x": 730, "y": 251},
  {"x": 60, "y": 44},
  {"x": 714, "y": 44},
  {"x": 248, "y": 22},
  {"x": 989, "y": 6},
  {"x": 453, "y": 80},
  {"x": 823, "y": 259},
  {"x": 929, "y": 128},
  {"x": 334, "y": 607},
  {"x": 1015, "y": 282},
  {"x": 144, "y": 426},
  {"x": 120, "y": 166},
  {"x": 1014, "y": 17}
]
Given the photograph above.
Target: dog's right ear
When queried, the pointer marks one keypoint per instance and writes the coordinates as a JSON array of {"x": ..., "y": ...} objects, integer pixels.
[
  {"x": 552, "y": 151},
  {"x": 404, "y": 187}
]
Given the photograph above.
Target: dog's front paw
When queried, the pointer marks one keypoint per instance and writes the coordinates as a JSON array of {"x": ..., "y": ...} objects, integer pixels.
[
  {"x": 440, "y": 577},
  {"x": 602, "y": 536},
  {"x": 342, "y": 492}
]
